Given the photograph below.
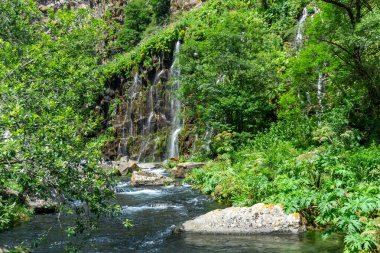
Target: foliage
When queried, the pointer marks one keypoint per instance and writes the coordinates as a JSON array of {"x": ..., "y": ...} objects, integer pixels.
[
  {"x": 138, "y": 16},
  {"x": 229, "y": 68},
  {"x": 292, "y": 124},
  {"x": 128, "y": 224},
  {"x": 49, "y": 87},
  {"x": 161, "y": 10},
  {"x": 331, "y": 185}
]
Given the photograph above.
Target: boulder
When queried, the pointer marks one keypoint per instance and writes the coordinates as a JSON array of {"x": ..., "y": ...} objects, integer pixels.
[
  {"x": 259, "y": 218},
  {"x": 184, "y": 168},
  {"x": 124, "y": 159},
  {"x": 149, "y": 179},
  {"x": 40, "y": 206},
  {"x": 149, "y": 166},
  {"x": 125, "y": 167},
  {"x": 35, "y": 203}
]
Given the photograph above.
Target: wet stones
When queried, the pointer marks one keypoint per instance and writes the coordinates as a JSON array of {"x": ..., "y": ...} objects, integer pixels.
[
  {"x": 124, "y": 167},
  {"x": 143, "y": 178},
  {"x": 3, "y": 250},
  {"x": 149, "y": 166},
  {"x": 259, "y": 218},
  {"x": 41, "y": 206}
]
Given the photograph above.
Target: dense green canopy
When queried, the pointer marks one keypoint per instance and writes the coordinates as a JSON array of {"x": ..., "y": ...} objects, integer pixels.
[{"x": 290, "y": 90}]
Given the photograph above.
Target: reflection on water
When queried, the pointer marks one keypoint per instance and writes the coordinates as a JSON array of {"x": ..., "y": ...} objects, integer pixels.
[
  {"x": 155, "y": 212},
  {"x": 308, "y": 243}
]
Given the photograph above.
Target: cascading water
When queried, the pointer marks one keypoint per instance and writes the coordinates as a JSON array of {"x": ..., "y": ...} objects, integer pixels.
[
  {"x": 132, "y": 96},
  {"x": 207, "y": 138},
  {"x": 148, "y": 124},
  {"x": 127, "y": 123},
  {"x": 299, "y": 40},
  {"x": 175, "y": 105},
  {"x": 320, "y": 94},
  {"x": 150, "y": 107},
  {"x": 300, "y": 32}
]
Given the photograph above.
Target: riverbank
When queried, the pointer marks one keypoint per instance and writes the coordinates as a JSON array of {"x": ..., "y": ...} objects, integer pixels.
[{"x": 330, "y": 186}]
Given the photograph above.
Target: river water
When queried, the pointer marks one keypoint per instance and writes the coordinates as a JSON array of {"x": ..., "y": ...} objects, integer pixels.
[{"x": 155, "y": 211}]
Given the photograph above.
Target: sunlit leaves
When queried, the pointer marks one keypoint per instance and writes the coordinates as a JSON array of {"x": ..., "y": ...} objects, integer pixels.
[{"x": 49, "y": 87}]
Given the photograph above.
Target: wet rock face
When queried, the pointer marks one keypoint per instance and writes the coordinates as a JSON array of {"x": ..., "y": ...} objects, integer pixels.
[
  {"x": 142, "y": 116},
  {"x": 149, "y": 179},
  {"x": 40, "y": 206},
  {"x": 260, "y": 218},
  {"x": 141, "y": 111},
  {"x": 184, "y": 5}
]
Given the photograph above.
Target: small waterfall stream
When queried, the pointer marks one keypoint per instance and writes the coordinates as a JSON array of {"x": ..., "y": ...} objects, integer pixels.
[
  {"x": 320, "y": 87},
  {"x": 320, "y": 95},
  {"x": 175, "y": 104},
  {"x": 148, "y": 123},
  {"x": 300, "y": 32}
]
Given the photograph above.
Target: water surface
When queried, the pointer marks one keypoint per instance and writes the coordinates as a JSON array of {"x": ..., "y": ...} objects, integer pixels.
[{"x": 155, "y": 211}]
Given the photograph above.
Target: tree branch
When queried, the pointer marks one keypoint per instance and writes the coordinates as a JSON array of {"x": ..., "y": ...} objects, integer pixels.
[
  {"x": 19, "y": 67},
  {"x": 345, "y": 7},
  {"x": 10, "y": 162},
  {"x": 337, "y": 45}
]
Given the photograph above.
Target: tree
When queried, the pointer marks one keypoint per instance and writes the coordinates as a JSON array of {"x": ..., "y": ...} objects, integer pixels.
[
  {"x": 48, "y": 90},
  {"x": 138, "y": 15}
]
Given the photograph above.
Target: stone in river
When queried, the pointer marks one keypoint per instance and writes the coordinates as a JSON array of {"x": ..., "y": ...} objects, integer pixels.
[
  {"x": 259, "y": 218},
  {"x": 149, "y": 179}
]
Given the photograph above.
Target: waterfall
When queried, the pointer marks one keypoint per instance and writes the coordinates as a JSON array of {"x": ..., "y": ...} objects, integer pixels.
[
  {"x": 320, "y": 94},
  {"x": 151, "y": 112},
  {"x": 194, "y": 147},
  {"x": 207, "y": 138},
  {"x": 147, "y": 129},
  {"x": 175, "y": 105},
  {"x": 133, "y": 91},
  {"x": 300, "y": 31},
  {"x": 321, "y": 76},
  {"x": 127, "y": 123},
  {"x": 151, "y": 109}
]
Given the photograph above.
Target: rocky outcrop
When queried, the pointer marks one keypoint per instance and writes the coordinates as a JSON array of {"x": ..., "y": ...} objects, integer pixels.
[
  {"x": 125, "y": 167},
  {"x": 35, "y": 203},
  {"x": 260, "y": 218},
  {"x": 149, "y": 179},
  {"x": 183, "y": 168},
  {"x": 40, "y": 206},
  {"x": 142, "y": 119},
  {"x": 149, "y": 166},
  {"x": 184, "y": 5},
  {"x": 115, "y": 7}
]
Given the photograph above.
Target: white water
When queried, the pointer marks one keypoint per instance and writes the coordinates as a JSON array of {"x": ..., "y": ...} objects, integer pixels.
[
  {"x": 156, "y": 171},
  {"x": 173, "y": 149},
  {"x": 142, "y": 192},
  {"x": 127, "y": 209},
  {"x": 175, "y": 105},
  {"x": 320, "y": 95},
  {"x": 207, "y": 138},
  {"x": 321, "y": 76},
  {"x": 133, "y": 91},
  {"x": 300, "y": 31}
]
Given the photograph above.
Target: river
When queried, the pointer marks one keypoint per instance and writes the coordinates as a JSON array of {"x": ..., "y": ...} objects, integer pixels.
[{"x": 155, "y": 211}]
